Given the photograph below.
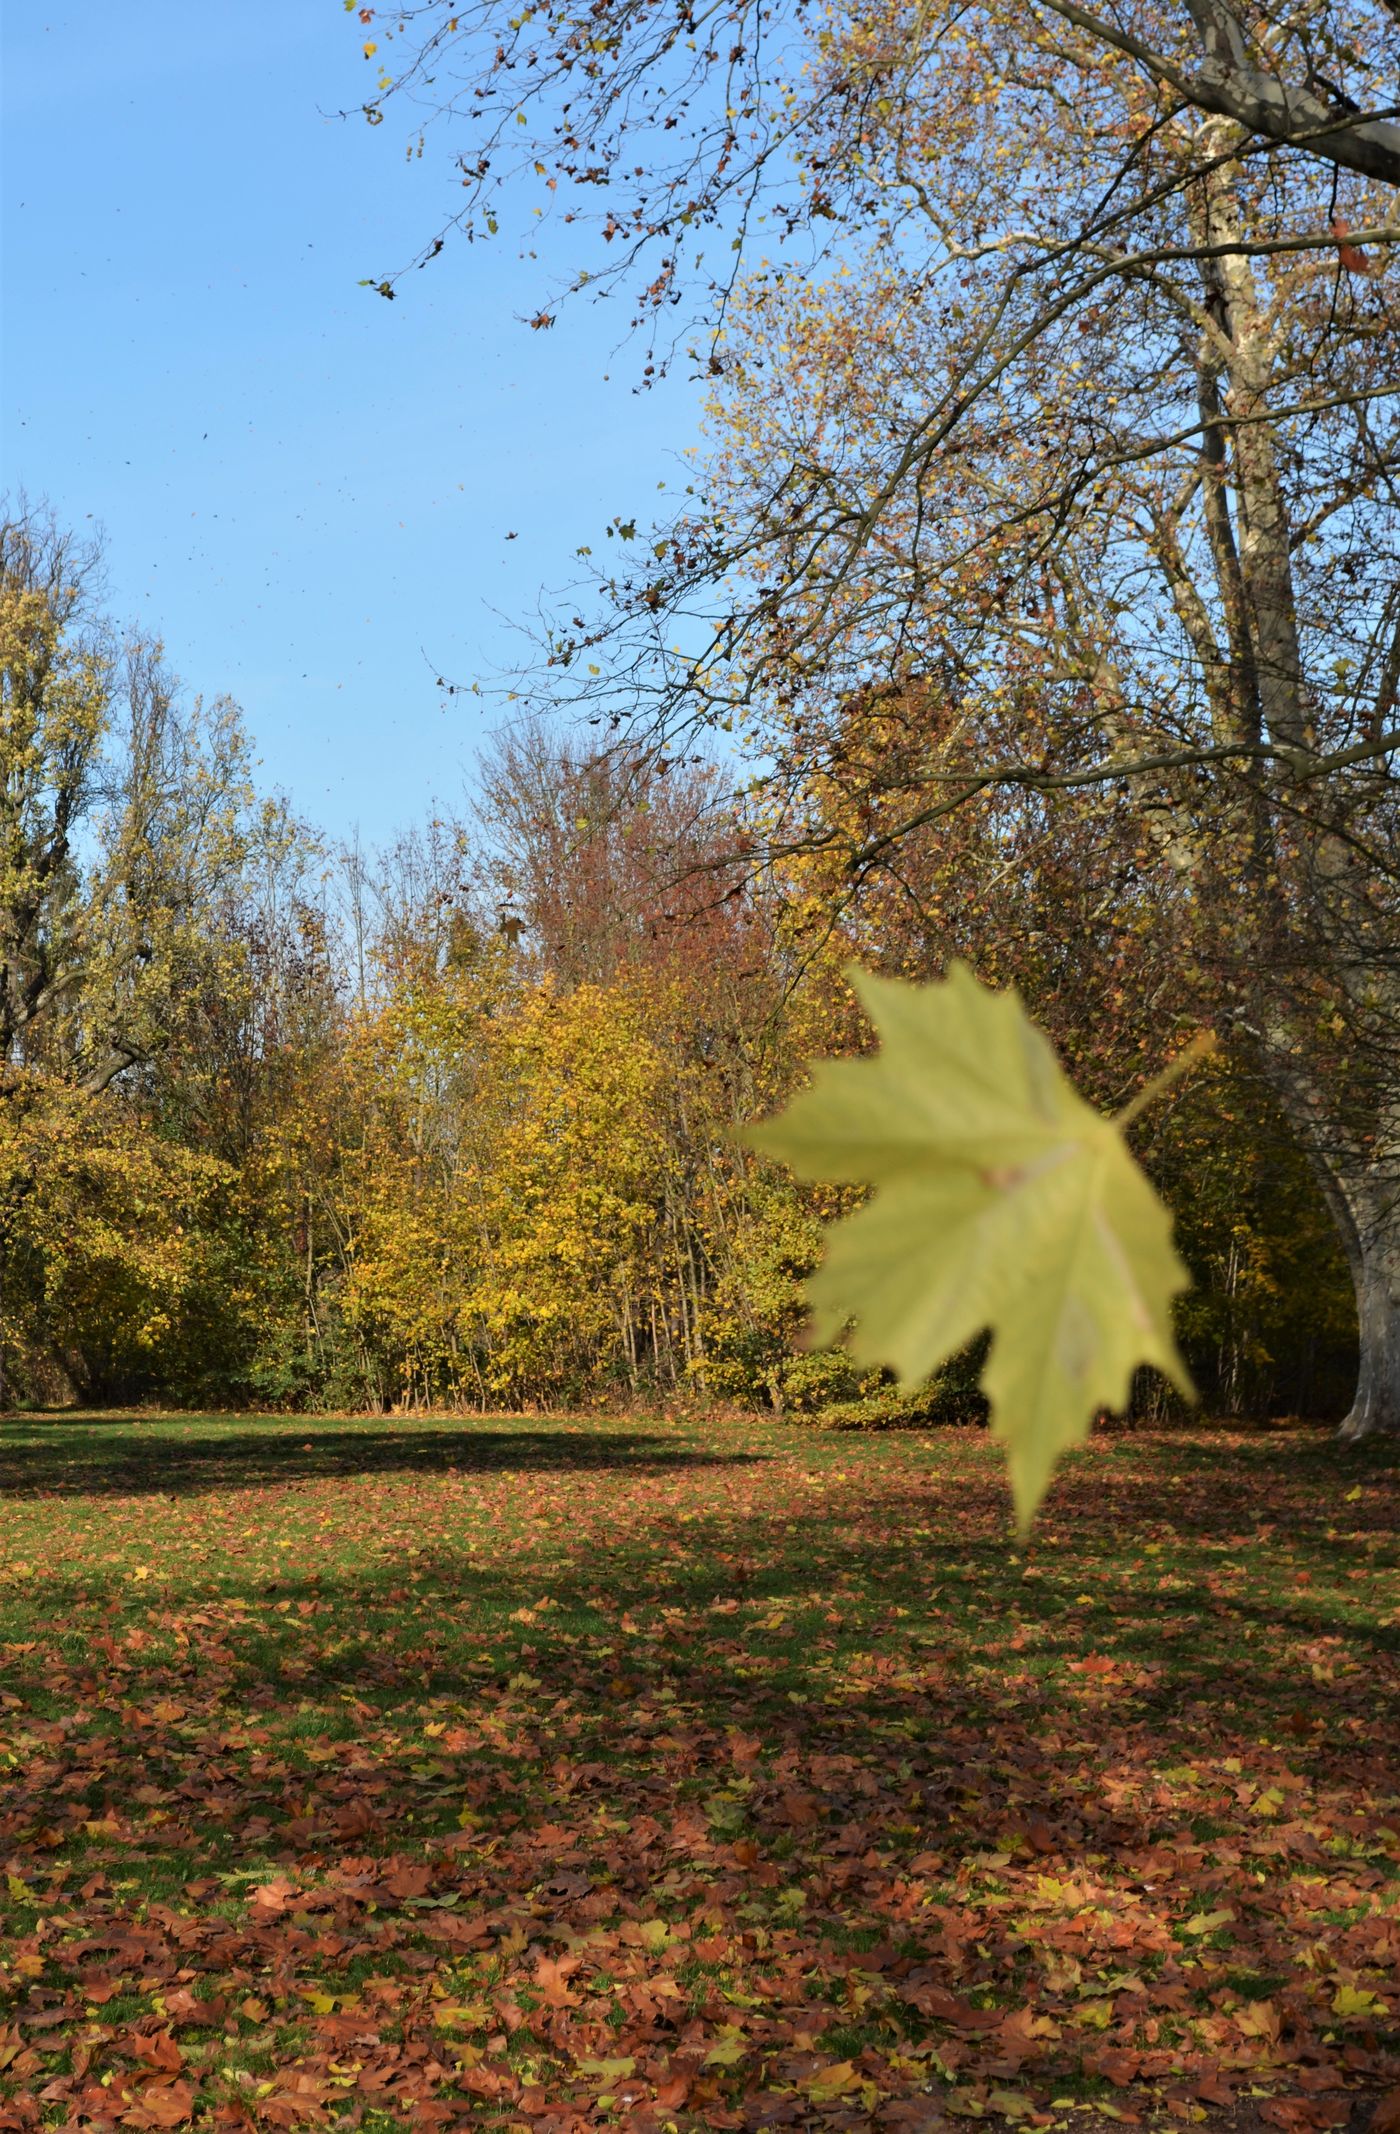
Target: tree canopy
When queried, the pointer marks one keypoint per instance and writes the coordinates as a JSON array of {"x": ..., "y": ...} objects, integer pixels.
[
  {"x": 1053, "y": 431},
  {"x": 462, "y": 1122}
]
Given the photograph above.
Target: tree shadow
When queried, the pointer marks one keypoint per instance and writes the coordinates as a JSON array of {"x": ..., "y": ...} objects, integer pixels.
[
  {"x": 431, "y": 1761},
  {"x": 79, "y": 1458}
]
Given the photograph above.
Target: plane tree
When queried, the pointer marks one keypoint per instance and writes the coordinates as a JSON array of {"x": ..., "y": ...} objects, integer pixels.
[{"x": 1053, "y": 361}]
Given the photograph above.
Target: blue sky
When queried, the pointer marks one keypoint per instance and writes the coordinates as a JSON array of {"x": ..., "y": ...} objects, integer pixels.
[{"x": 306, "y": 490}]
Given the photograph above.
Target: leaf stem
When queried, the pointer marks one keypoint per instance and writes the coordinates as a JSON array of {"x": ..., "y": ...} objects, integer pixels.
[{"x": 1200, "y": 1048}]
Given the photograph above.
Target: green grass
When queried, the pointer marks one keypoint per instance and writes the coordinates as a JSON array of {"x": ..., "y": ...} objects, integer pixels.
[{"x": 403, "y": 1772}]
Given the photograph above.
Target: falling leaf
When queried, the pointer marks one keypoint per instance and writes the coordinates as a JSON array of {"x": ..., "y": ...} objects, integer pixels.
[
  {"x": 1352, "y": 257},
  {"x": 1002, "y": 1201}
]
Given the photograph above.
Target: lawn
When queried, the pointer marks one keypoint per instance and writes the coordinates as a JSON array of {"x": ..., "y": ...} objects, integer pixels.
[{"x": 556, "y": 1774}]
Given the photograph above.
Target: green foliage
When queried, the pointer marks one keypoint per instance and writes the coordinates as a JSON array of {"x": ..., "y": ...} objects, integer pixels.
[
  {"x": 1002, "y": 1201},
  {"x": 1269, "y": 1321},
  {"x": 952, "y": 1395},
  {"x": 115, "y": 1247},
  {"x": 754, "y": 1319}
]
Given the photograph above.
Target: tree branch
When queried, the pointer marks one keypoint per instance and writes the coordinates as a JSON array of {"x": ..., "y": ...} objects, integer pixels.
[{"x": 1228, "y": 86}]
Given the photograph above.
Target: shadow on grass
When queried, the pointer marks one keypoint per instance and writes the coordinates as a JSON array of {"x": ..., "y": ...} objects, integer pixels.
[
  {"x": 99, "y": 1457},
  {"x": 828, "y": 1728},
  {"x": 945, "y": 1721}
]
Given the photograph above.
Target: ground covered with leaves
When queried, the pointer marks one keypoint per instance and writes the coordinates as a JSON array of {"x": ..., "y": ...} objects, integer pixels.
[{"x": 557, "y": 1774}]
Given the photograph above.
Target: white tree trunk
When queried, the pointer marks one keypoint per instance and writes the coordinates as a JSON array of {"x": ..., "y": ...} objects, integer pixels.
[
  {"x": 1375, "y": 1264},
  {"x": 1366, "y": 1210},
  {"x": 1361, "y": 1186}
]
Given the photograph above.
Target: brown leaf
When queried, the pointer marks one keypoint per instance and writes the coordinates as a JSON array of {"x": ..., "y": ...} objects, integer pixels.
[
  {"x": 1386, "y": 2117},
  {"x": 945, "y": 2007},
  {"x": 274, "y": 1896},
  {"x": 157, "y": 2049},
  {"x": 161, "y": 2104},
  {"x": 1356, "y": 262},
  {"x": 552, "y": 1978}
]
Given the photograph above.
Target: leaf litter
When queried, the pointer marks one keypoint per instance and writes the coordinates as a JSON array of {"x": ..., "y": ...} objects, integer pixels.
[{"x": 678, "y": 1776}]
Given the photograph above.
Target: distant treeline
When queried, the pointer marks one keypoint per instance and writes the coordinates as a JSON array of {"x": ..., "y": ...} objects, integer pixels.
[{"x": 461, "y": 1122}]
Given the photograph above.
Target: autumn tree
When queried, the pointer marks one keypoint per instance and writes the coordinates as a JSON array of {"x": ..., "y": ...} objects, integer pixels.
[
  {"x": 124, "y": 820},
  {"x": 1297, "y": 78},
  {"x": 117, "y": 1248},
  {"x": 55, "y": 681},
  {"x": 1156, "y": 555},
  {"x": 658, "y": 125},
  {"x": 614, "y": 861},
  {"x": 1054, "y": 399},
  {"x": 124, "y": 836}
]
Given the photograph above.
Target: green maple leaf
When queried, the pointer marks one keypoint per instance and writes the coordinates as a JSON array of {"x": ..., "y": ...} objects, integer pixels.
[{"x": 1002, "y": 1201}]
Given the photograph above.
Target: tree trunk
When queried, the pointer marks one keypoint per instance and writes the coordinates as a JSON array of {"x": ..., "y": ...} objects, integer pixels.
[
  {"x": 1366, "y": 1211},
  {"x": 1361, "y": 1186},
  {"x": 1375, "y": 1263}
]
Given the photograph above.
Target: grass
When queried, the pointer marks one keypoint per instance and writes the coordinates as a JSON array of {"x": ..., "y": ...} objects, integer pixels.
[{"x": 402, "y": 1774}]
